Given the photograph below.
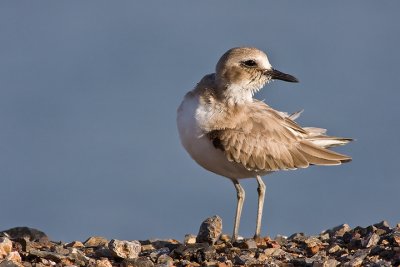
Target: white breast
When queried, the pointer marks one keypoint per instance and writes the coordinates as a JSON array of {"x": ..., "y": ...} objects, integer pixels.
[{"x": 199, "y": 147}]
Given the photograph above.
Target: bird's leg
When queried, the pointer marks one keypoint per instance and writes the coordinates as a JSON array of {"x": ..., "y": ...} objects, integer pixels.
[
  {"x": 261, "y": 196},
  {"x": 240, "y": 199}
]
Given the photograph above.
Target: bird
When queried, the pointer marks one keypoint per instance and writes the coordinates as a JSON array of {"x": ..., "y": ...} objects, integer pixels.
[{"x": 230, "y": 133}]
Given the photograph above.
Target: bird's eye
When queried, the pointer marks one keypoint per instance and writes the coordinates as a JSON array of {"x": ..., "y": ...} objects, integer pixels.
[{"x": 249, "y": 63}]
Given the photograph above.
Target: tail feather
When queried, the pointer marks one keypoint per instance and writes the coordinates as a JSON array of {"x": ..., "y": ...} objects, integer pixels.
[
  {"x": 321, "y": 156},
  {"x": 295, "y": 115},
  {"x": 329, "y": 141}
]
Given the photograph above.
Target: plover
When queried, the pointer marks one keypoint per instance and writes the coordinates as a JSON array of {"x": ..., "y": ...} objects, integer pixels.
[{"x": 228, "y": 132}]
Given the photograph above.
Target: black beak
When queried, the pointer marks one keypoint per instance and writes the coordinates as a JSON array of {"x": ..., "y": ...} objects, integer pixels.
[{"x": 277, "y": 75}]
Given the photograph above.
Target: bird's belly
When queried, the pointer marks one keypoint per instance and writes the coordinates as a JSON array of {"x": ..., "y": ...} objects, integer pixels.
[{"x": 201, "y": 149}]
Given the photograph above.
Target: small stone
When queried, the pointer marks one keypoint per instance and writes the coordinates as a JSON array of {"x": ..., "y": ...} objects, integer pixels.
[
  {"x": 281, "y": 239},
  {"x": 169, "y": 243},
  {"x": 7, "y": 263},
  {"x": 324, "y": 236},
  {"x": 331, "y": 263},
  {"x": 338, "y": 230},
  {"x": 355, "y": 262},
  {"x": 355, "y": 242},
  {"x": 244, "y": 260},
  {"x": 157, "y": 253},
  {"x": 47, "y": 255},
  {"x": 139, "y": 262},
  {"x": 189, "y": 239},
  {"x": 31, "y": 234},
  {"x": 125, "y": 249},
  {"x": 13, "y": 256},
  {"x": 348, "y": 236},
  {"x": 148, "y": 247},
  {"x": 384, "y": 242},
  {"x": 104, "y": 252},
  {"x": 267, "y": 242},
  {"x": 298, "y": 237},
  {"x": 95, "y": 241},
  {"x": 380, "y": 232},
  {"x": 190, "y": 264},
  {"x": 221, "y": 246},
  {"x": 209, "y": 264},
  {"x": 313, "y": 245},
  {"x": 377, "y": 250},
  {"x": 207, "y": 253},
  {"x": 100, "y": 263},
  {"x": 77, "y": 256},
  {"x": 358, "y": 257},
  {"x": 210, "y": 230},
  {"x": 224, "y": 264},
  {"x": 5, "y": 247},
  {"x": 246, "y": 244},
  {"x": 396, "y": 239},
  {"x": 273, "y": 252},
  {"x": 188, "y": 252},
  {"x": 165, "y": 260},
  {"x": 225, "y": 238},
  {"x": 75, "y": 244},
  {"x": 384, "y": 225},
  {"x": 371, "y": 240},
  {"x": 61, "y": 250},
  {"x": 334, "y": 249},
  {"x": 370, "y": 229}
]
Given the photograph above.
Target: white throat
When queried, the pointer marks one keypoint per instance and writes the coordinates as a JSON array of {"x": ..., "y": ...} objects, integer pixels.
[{"x": 237, "y": 94}]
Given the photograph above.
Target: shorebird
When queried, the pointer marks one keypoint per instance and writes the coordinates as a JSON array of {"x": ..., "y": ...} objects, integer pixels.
[{"x": 228, "y": 132}]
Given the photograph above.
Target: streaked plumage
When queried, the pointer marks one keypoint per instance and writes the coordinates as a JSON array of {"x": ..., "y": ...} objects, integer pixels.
[{"x": 228, "y": 132}]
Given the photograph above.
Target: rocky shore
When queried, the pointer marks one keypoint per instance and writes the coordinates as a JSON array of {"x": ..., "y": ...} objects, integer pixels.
[{"x": 374, "y": 245}]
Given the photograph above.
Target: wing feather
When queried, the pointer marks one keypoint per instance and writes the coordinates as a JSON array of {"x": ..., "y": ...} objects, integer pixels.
[{"x": 266, "y": 140}]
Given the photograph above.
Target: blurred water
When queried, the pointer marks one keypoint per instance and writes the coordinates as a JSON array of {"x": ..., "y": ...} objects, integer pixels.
[{"x": 88, "y": 96}]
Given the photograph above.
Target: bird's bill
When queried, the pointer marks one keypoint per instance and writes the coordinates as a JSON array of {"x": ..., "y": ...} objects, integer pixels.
[{"x": 278, "y": 75}]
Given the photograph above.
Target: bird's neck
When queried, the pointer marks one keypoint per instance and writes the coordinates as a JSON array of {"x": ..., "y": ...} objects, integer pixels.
[{"x": 235, "y": 94}]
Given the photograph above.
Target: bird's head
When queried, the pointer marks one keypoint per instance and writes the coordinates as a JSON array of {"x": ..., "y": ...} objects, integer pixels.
[{"x": 242, "y": 71}]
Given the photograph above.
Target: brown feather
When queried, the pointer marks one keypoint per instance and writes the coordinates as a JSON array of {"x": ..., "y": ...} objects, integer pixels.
[{"x": 263, "y": 139}]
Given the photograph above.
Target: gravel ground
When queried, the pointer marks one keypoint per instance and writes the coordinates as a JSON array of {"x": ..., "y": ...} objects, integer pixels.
[{"x": 375, "y": 245}]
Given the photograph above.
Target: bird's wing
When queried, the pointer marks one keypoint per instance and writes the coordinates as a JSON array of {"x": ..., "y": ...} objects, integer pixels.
[{"x": 268, "y": 141}]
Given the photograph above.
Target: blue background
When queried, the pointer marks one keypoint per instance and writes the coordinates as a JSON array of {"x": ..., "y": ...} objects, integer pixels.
[{"x": 88, "y": 98}]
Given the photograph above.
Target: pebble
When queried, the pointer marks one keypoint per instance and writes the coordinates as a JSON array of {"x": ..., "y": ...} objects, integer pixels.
[
  {"x": 338, "y": 230},
  {"x": 384, "y": 225},
  {"x": 273, "y": 252},
  {"x": 371, "y": 240},
  {"x": 157, "y": 253},
  {"x": 396, "y": 239},
  {"x": 100, "y": 263},
  {"x": 139, "y": 262},
  {"x": 330, "y": 263},
  {"x": 95, "y": 241},
  {"x": 313, "y": 245},
  {"x": 165, "y": 260},
  {"x": 8, "y": 263},
  {"x": 246, "y": 244},
  {"x": 374, "y": 245},
  {"x": 147, "y": 247},
  {"x": 75, "y": 244},
  {"x": 31, "y": 234},
  {"x": 13, "y": 256},
  {"x": 124, "y": 249},
  {"x": 334, "y": 249},
  {"x": 189, "y": 239},
  {"x": 210, "y": 230},
  {"x": 225, "y": 238},
  {"x": 355, "y": 262},
  {"x": 5, "y": 247}
]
